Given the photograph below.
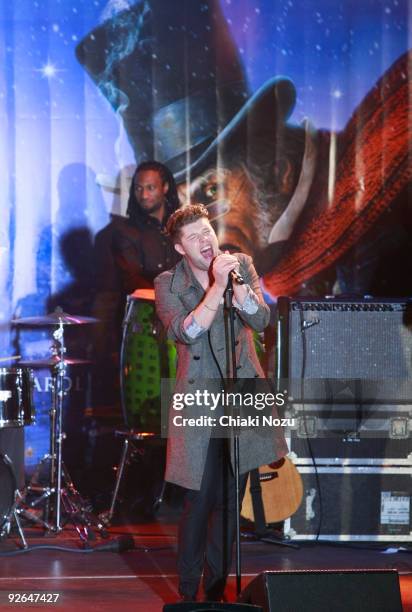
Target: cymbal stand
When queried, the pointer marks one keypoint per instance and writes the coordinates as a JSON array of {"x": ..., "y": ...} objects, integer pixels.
[
  {"x": 61, "y": 486},
  {"x": 57, "y": 424},
  {"x": 54, "y": 487}
]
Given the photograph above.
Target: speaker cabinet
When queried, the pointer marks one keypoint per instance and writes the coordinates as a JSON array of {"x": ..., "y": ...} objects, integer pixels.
[{"x": 325, "y": 591}]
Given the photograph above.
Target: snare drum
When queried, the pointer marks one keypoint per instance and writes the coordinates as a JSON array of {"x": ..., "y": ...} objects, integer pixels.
[
  {"x": 7, "y": 493},
  {"x": 146, "y": 357},
  {"x": 16, "y": 404}
]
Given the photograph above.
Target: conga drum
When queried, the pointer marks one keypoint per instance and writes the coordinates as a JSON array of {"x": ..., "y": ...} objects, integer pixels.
[{"x": 146, "y": 357}]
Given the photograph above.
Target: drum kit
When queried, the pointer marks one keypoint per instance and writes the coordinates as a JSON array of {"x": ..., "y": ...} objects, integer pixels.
[
  {"x": 146, "y": 357},
  {"x": 57, "y": 496}
]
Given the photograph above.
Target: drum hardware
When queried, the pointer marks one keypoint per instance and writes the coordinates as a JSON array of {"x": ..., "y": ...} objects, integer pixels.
[
  {"x": 11, "y": 499},
  {"x": 129, "y": 436},
  {"x": 59, "y": 492},
  {"x": 74, "y": 506}
]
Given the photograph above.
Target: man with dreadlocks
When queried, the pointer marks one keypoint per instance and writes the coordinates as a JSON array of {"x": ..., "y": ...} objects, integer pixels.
[
  {"x": 141, "y": 248},
  {"x": 129, "y": 253}
]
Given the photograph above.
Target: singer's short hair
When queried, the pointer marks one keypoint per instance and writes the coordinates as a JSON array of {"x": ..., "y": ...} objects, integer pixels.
[{"x": 184, "y": 216}]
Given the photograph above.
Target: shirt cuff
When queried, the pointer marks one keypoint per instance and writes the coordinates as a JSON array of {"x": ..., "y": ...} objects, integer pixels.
[
  {"x": 192, "y": 328},
  {"x": 251, "y": 303}
]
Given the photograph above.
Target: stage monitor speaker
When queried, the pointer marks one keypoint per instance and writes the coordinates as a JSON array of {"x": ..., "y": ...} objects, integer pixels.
[
  {"x": 210, "y": 607},
  {"x": 325, "y": 591}
]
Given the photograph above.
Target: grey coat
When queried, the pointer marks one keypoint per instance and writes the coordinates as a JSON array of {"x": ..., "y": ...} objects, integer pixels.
[{"x": 177, "y": 294}]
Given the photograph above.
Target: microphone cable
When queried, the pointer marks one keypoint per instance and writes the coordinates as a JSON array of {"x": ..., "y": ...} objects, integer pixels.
[{"x": 302, "y": 392}]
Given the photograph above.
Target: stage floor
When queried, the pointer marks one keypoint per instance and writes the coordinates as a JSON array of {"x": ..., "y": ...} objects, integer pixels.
[{"x": 145, "y": 578}]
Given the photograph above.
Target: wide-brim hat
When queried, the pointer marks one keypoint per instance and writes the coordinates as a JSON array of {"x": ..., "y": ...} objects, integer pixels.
[{"x": 262, "y": 114}]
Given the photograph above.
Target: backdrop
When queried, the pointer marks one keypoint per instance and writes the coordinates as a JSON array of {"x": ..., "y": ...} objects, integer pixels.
[{"x": 290, "y": 120}]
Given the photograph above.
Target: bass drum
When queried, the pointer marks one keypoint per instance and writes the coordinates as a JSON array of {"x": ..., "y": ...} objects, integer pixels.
[
  {"x": 146, "y": 357},
  {"x": 7, "y": 493}
]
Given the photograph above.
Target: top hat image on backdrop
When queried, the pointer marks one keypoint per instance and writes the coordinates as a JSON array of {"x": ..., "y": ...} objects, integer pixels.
[
  {"x": 172, "y": 71},
  {"x": 286, "y": 194}
]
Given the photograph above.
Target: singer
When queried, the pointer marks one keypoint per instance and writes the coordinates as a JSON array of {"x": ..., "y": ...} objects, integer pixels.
[{"x": 189, "y": 301}]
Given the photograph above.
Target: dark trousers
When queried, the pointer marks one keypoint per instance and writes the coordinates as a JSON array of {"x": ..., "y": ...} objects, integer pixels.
[{"x": 207, "y": 526}]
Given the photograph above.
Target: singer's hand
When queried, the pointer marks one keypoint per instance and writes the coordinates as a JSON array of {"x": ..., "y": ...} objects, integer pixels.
[{"x": 222, "y": 265}]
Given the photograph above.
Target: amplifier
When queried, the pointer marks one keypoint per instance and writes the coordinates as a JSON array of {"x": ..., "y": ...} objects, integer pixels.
[
  {"x": 347, "y": 367},
  {"x": 345, "y": 351}
]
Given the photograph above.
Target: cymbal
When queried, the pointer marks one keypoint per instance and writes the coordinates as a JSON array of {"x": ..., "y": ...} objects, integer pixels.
[
  {"x": 55, "y": 318},
  {"x": 51, "y": 362},
  {"x": 13, "y": 358}
]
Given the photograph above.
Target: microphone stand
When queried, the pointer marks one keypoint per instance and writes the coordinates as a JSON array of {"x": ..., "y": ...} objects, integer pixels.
[
  {"x": 264, "y": 537},
  {"x": 233, "y": 380}
]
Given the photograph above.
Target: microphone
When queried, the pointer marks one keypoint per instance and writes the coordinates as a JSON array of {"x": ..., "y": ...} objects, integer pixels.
[
  {"x": 236, "y": 277},
  {"x": 233, "y": 275}
]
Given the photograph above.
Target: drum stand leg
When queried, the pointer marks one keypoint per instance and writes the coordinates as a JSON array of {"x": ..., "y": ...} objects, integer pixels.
[
  {"x": 26, "y": 512},
  {"x": 14, "y": 515},
  {"x": 65, "y": 498},
  {"x": 106, "y": 517},
  {"x": 19, "y": 527},
  {"x": 83, "y": 520},
  {"x": 71, "y": 503},
  {"x": 129, "y": 436}
]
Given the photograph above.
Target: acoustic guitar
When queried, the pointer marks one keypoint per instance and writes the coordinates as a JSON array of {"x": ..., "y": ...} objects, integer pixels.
[{"x": 281, "y": 491}]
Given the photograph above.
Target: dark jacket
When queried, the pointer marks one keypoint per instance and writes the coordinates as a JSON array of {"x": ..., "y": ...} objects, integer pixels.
[{"x": 142, "y": 251}]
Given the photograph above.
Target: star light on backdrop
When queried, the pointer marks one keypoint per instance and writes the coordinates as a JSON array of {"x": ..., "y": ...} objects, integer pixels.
[{"x": 48, "y": 71}]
